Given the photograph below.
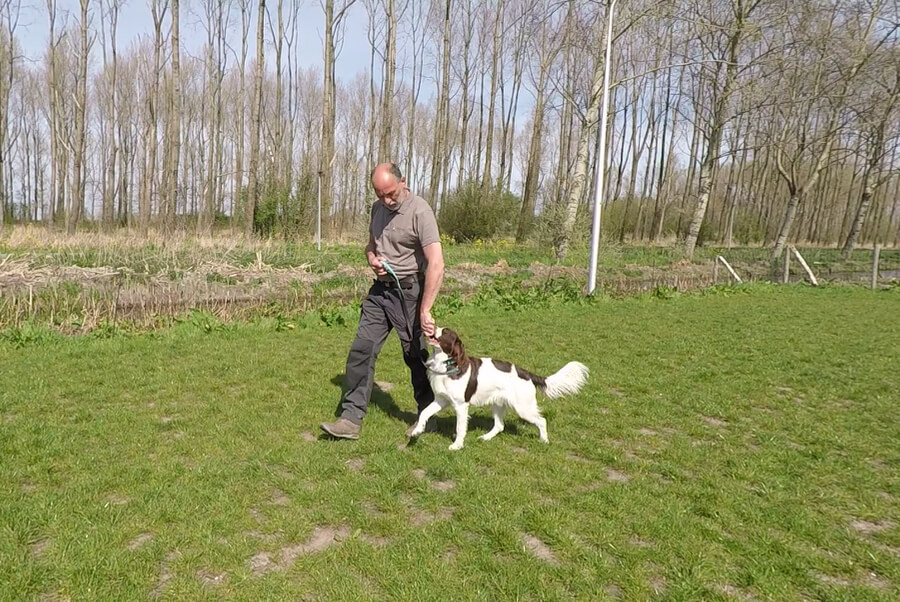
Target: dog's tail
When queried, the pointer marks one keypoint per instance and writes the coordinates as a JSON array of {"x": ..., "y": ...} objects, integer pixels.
[{"x": 567, "y": 381}]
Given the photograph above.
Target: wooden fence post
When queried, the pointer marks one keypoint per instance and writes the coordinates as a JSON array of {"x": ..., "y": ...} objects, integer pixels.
[
  {"x": 875, "y": 257},
  {"x": 809, "y": 273}
]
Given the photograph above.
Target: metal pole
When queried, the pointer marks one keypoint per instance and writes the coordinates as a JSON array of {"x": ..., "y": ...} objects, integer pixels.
[
  {"x": 601, "y": 155},
  {"x": 319, "y": 217}
]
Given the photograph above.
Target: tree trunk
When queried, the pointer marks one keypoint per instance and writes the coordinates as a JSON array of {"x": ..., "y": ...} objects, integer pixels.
[
  {"x": 720, "y": 117},
  {"x": 489, "y": 142},
  {"x": 439, "y": 159},
  {"x": 529, "y": 196},
  {"x": 174, "y": 138},
  {"x": 238, "y": 184},
  {"x": 78, "y": 167},
  {"x": 256, "y": 110},
  {"x": 871, "y": 174},
  {"x": 387, "y": 90},
  {"x": 562, "y": 238}
]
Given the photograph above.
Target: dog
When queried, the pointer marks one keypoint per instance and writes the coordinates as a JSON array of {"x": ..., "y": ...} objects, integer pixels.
[{"x": 460, "y": 381}]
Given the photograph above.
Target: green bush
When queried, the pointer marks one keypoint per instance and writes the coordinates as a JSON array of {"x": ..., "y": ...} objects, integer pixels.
[{"x": 471, "y": 213}]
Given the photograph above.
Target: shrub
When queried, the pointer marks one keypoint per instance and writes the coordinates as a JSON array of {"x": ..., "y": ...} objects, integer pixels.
[{"x": 471, "y": 213}]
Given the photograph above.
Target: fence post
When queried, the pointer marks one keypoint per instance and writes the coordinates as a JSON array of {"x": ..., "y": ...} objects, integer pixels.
[
  {"x": 728, "y": 267},
  {"x": 809, "y": 273},
  {"x": 875, "y": 257}
]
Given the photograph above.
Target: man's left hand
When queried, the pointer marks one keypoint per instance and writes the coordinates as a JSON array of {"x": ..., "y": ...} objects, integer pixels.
[{"x": 427, "y": 323}]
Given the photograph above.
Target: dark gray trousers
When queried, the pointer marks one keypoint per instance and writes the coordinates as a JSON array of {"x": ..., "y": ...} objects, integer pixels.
[{"x": 382, "y": 311}]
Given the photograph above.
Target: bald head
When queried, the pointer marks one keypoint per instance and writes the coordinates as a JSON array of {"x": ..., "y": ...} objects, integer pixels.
[{"x": 389, "y": 185}]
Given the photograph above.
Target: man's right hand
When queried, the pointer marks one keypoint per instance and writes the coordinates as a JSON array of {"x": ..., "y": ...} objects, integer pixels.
[{"x": 375, "y": 264}]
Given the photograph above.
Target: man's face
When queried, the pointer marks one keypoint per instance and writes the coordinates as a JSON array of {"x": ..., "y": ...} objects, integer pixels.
[{"x": 390, "y": 192}]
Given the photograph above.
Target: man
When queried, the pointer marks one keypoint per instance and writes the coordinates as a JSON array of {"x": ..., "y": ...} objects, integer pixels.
[{"x": 402, "y": 232}]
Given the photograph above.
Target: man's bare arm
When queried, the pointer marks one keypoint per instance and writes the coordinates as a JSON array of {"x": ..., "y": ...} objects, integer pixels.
[
  {"x": 374, "y": 260},
  {"x": 434, "y": 277}
]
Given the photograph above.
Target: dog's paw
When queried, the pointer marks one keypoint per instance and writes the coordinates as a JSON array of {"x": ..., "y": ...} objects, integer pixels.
[
  {"x": 486, "y": 437},
  {"x": 455, "y": 446}
]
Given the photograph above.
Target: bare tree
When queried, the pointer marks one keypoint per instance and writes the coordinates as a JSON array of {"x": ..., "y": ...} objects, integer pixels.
[
  {"x": 486, "y": 181},
  {"x": 861, "y": 27},
  {"x": 173, "y": 137},
  {"x": 387, "y": 88},
  {"x": 439, "y": 159},
  {"x": 77, "y": 199},
  {"x": 9, "y": 18},
  {"x": 333, "y": 23},
  {"x": 887, "y": 98},
  {"x": 546, "y": 54},
  {"x": 256, "y": 110},
  {"x": 721, "y": 86}
]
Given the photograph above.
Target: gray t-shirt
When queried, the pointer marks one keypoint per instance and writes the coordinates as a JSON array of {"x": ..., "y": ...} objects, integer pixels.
[{"x": 400, "y": 235}]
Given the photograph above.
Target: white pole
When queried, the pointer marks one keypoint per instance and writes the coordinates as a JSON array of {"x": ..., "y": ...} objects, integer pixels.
[{"x": 601, "y": 155}]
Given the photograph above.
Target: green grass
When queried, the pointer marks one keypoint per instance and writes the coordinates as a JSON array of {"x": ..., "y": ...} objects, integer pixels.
[{"x": 742, "y": 442}]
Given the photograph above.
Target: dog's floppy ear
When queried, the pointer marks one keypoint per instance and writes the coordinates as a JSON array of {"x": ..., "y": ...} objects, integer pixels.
[{"x": 456, "y": 350}]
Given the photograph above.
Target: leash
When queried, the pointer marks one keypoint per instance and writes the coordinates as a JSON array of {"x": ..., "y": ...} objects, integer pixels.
[{"x": 449, "y": 364}]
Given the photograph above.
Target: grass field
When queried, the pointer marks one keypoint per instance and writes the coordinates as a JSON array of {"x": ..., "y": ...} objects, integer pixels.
[
  {"x": 90, "y": 282},
  {"x": 738, "y": 444}
]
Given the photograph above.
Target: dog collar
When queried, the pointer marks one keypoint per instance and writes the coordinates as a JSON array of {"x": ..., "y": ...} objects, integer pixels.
[{"x": 451, "y": 367}]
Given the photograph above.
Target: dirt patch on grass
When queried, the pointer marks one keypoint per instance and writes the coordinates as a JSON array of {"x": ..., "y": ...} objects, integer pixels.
[
  {"x": 371, "y": 508},
  {"x": 139, "y": 541},
  {"x": 715, "y": 422},
  {"x": 867, "y": 527},
  {"x": 639, "y": 542},
  {"x": 116, "y": 500},
  {"x": 384, "y": 386},
  {"x": 614, "y": 591},
  {"x": 420, "y": 518},
  {"x": 616, "y": 476},
  {"x": 735, "y": 592},
  {"x": 279, "y": 498},
  {"x": 518, "y": 450},
  {"x": 262, "y": 563},
  {"x": 211, "y": 578},
  {"x": 831, "y": 579},
  {"x": 281, "y": 471},
  {"x": 319, "y": 540},
  {"x": 165, "y": 574},
  {"x": 356, "y": 464},
  {"x": 307, "y": 436},
  {"x": 39, "y": 548},
  {"x": 539, "y": 549},
  {"x": 443, "y": 486},
  {"x": 647, "y": 432}
]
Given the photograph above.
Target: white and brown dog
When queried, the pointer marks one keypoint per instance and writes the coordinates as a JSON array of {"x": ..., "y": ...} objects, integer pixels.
[{"x": 460, "y": 380}]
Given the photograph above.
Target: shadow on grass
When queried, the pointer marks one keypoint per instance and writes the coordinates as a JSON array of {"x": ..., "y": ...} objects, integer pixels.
[{"x": 445, "y": 425}]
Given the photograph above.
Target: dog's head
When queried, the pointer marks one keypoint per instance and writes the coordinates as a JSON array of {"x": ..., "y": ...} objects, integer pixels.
[{"x": 451, "y": 345}]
